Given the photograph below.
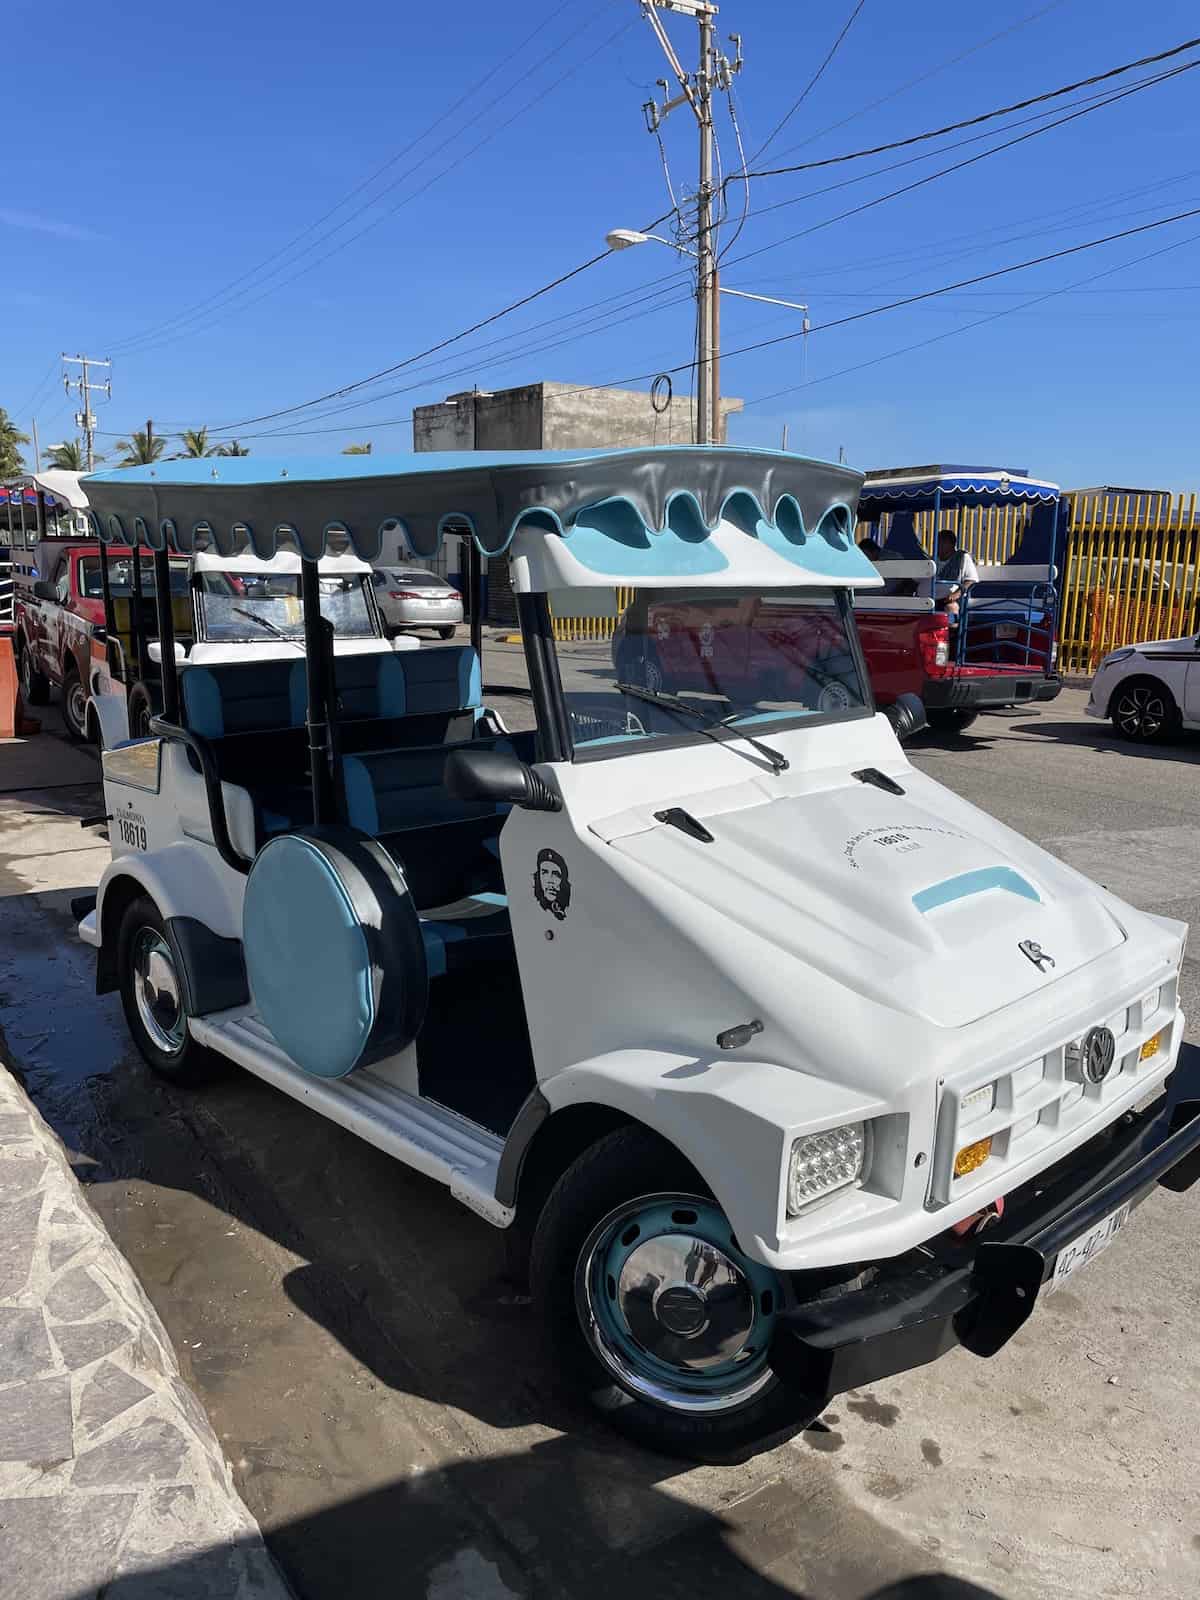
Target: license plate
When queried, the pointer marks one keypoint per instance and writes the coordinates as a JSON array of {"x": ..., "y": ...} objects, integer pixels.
[
  {"x": 131, "y": 829},
  {"x": 1088, "y": 1246},
  {"x": 1008, "y": 630}
]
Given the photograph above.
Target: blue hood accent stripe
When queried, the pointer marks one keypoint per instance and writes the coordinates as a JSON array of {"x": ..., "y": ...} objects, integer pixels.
[{"x": 967, "y": 884}]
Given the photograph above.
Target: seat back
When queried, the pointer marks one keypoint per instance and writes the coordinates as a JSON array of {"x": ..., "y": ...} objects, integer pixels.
[
  {"x": 241, "y": 697},
  {"x": 393, "y": 791},
  {"x": 441, "y": 680}
]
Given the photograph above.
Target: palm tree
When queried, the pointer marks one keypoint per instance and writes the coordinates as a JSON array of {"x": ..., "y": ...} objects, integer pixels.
[
  {"x": 11, "y": 440},
  {"x": 233, "y": 448},
  {"x": 139, "y": 451},
  {"x": 196, "y": 443},
  {"x": 357, "y": 450},
  {"x": 69, "y": 455}
]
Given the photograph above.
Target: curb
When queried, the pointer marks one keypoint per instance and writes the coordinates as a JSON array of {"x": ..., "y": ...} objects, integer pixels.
[{"x": 111, "y": 1478}]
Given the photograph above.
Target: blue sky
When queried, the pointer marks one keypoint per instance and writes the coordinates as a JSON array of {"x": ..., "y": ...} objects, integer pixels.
[{"x": 175, "y": 157}]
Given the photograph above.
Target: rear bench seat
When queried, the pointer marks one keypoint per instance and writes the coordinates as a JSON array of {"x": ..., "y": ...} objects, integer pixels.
[{"x": 252, "y": 715}]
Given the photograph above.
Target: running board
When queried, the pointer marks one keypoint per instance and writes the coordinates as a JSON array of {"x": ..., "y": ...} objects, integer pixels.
[{"x": 425, "y": 1136}]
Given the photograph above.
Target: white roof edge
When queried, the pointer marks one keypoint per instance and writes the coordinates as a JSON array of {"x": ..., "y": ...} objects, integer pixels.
[{"x": 949, "y": 477}]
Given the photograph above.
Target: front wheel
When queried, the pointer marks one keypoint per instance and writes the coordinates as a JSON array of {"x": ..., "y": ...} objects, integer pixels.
[
  {"x": 950, "y": 719},
  {"x": 647, "y": 1299},
  {"x": 1144, "y": 710},
  {"x": 35, "y": 686},
  {"x": 75, "y": 705},
  {"x": 153, "y": 997}
]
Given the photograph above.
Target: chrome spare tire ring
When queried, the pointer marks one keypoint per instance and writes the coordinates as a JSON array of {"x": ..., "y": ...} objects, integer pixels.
[
  {"x": 157, "y": 993},
  {"x": 673, "y": 1309}
]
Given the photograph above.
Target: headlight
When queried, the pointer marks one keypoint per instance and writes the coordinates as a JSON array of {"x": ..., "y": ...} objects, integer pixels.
[
  {"x": 820, "y": 1163},
  {"x": 1117, "y": 655}
]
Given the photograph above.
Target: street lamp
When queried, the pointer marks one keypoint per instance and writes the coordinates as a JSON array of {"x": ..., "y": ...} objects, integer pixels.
[{"x": 625, "y": 238}]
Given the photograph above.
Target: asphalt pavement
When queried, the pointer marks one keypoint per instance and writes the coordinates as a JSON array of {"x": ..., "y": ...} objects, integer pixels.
[{"x": 372, "y": 1376}]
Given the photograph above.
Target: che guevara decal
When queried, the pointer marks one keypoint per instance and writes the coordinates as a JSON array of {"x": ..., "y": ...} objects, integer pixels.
[{"x": 552, "y": 884}]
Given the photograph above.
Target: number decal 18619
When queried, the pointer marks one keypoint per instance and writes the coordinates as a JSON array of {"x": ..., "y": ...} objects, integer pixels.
[{"x": 131, "y": 829}]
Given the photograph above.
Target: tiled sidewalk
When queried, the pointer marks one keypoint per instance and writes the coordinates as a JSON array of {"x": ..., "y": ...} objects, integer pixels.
[{"x": 111, "y": 1479}]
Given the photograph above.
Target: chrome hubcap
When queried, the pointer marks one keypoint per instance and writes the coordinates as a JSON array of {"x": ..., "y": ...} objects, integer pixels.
[
  {"x": 77, "y": 705},
  {"x": 673, "y": 1309},
  {"x": 1141, "y": 712},
  {"x": 156, "y": 990}
]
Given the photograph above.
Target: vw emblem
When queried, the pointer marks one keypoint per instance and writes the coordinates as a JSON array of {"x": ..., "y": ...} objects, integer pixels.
[
  {"x": 1097, "y": 1054},
  {"x": 1033, "y": 950}
]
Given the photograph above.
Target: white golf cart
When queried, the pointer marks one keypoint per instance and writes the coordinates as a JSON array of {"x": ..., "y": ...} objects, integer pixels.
[
  {"x": 783, "y": 1068},
  {"x": 225, "y": 608}
]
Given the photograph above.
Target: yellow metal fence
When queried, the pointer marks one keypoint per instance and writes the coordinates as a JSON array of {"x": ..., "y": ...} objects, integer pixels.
[{"x": 1131, "y": 571}]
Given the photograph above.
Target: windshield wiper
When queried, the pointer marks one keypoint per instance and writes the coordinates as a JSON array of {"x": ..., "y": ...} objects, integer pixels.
[
  {"x": 265, "y": 622},
  {"x": 709, "y": 726}
]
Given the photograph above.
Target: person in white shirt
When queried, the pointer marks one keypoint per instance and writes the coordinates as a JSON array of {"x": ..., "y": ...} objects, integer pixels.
[{"x": 956, "y": 572}]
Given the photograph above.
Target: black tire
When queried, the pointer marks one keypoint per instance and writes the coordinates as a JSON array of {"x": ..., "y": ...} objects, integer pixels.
[
  {"x": 446, "y": 633},
  {"x": 950, "y": 719},
  {"x": 35, "y": 686},
  {"x": 74, "y": 704},
  {"x": 188, "y": 1063},
  {"x": 626, "y": 1165},
  {"x": 1143, "y": 710},
  {"x": 140, "y": 710}
]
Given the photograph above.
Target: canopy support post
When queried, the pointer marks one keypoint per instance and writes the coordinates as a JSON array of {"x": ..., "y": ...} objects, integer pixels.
[
  {"x": 317, "y": 659},
  {"x": 137, "y": 634},
  {"x": 106, "y": 595},
  {"x": 475, "y": 595},
  {"x": 166, "y": 631}
]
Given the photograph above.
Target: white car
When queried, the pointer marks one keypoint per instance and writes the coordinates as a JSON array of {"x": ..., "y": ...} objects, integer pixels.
[
  {"x": 1150, "y": 691},
  {"x": 414, "y": 597}
]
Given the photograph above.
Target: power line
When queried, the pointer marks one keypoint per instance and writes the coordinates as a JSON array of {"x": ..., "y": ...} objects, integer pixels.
[
  {"x": 1092, "y": 102},
  {"x": 984, "y": 116},
  {"x": 1076, "y": 288},
  {"x": 810, "y": 85},
  {"x": 592, "y": 261},
  {"x": 366, "y": 183},
  {"x": 442, "y": 344},
  {"x": 958, "y": 166},
  {"x": 343, "y": 244},
  {"x": 924, "y": 77},
  {"x": 860, "y": 316}
]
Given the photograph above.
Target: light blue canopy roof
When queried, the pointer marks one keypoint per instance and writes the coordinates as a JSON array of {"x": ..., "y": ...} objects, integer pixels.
[{"x": 642, "y": 512}]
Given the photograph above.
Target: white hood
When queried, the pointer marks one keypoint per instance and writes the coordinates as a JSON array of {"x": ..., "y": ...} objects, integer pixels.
[{"x": 887, "y": 898}]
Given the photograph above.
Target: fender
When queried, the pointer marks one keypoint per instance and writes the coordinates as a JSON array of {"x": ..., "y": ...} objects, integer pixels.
[
  {"x": 181, "y": 881},
  {"x": 722, "y": 1114}
]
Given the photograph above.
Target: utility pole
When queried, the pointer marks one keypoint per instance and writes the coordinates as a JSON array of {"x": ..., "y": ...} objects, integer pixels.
[
  {"x": 85, "y": 419},
  {"x": 37, "y": 449},
  {"x": 714, "y": 70}
]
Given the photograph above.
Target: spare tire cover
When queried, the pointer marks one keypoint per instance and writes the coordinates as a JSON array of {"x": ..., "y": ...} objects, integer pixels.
[{"x": 334, "y": 955}]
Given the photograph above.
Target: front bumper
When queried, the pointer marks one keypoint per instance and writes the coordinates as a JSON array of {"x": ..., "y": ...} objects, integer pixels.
[
  {"x": 978, "y": 1294},
  {"x": 990, "y": 690}
]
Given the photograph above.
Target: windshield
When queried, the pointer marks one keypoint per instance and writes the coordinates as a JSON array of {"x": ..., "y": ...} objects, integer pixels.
[
  {"x": 258, "y": 606},
  {"x": 120, "y": 577},
  {"x": 681, "y": 660}
]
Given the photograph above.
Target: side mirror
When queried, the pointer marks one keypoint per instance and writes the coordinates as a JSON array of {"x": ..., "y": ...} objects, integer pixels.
[
  {"x": 907, "y": 716},
  {"x": 498, "y": 777},
  {"x": 154, "y": 651},
  {"x": 44, "y": 590}
]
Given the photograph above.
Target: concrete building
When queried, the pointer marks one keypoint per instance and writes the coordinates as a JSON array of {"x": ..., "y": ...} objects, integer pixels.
[{"x": 548, "y": 416}]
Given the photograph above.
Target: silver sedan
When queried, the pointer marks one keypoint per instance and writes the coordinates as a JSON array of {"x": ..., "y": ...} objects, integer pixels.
[{"x": 414, "y": 597}]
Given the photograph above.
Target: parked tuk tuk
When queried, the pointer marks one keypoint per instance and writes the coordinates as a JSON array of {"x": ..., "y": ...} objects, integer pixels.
[
  {"x": 781, "y": 1067},
  {"x": 964, "y": 649}
]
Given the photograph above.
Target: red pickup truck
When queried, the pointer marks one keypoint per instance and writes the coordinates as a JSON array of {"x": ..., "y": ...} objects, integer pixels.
[
  {"x": 59, "y": 619},
  {"x": 739, "y": 641}
]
